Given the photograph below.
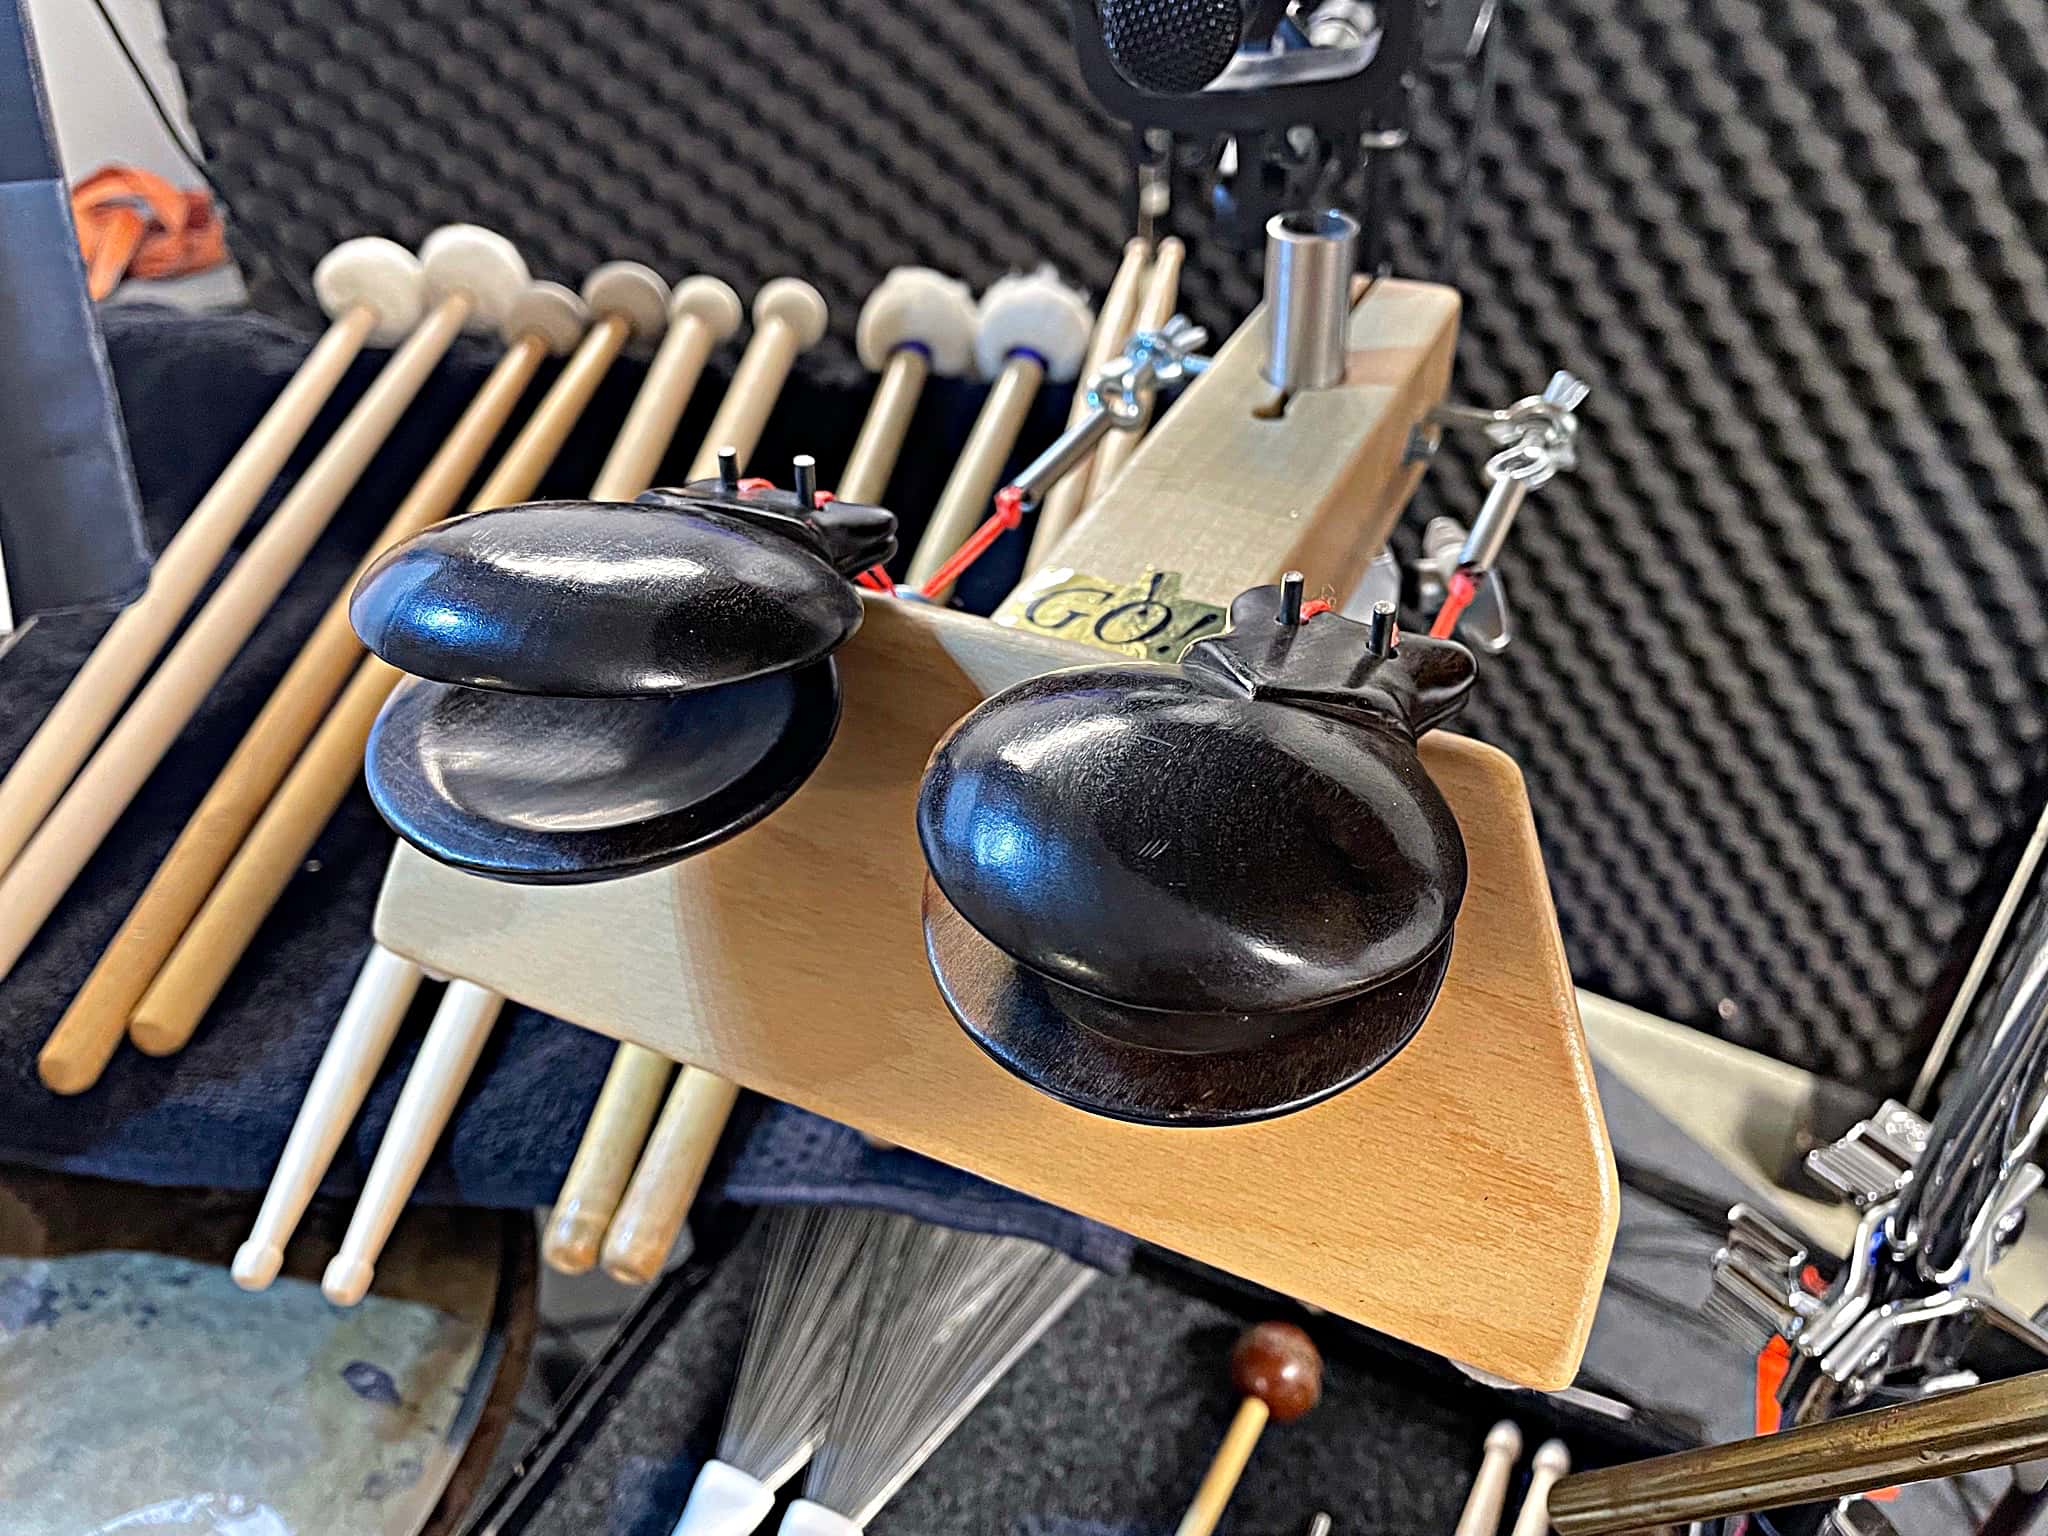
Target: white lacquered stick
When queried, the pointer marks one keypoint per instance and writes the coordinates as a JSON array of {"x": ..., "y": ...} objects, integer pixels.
[
  {"x": 1481, "y": 1516},
  {"x": 74, "y": 830},
  {"x": 383, "y": 992},
  {"x": 448, "y": 1054},
  {"x": 1552, "y": 1461}
]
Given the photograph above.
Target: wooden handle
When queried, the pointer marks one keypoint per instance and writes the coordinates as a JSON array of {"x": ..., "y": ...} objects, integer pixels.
[
  {"x": 1155, "y": 308},
  {"x": 454, "y": 1040},
  {"x": 376, "y": 1006},
  {"x": 1551, "y": 1462},
  {"x": 979, "y": 470},
  {"x": 885, "y": 426},
  {"x": 750, "y": 398},
  {"x": 1113, "y": 328},
  {"x": 65, "y": 739},
  {"x": 79, "y": 1048},
  {"x": 81, "y": 820},
  {"x": 172, "y": 1004},
  {"x": 1220, "y": 1481},
  {"x": 658, "y": 1199},
  {"x": 651, "y": 420},
  {"x": 626, "y": 1107}
]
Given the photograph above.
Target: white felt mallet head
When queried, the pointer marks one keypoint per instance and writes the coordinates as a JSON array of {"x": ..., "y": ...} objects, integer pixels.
[
  {"x": 551, "y": 312},
  {"x": 379, "y": 274},
  {"x": 467, "y": 258},
  {"x": 918, "y": 307},
  {"x": 1033, "y": 312},
  {"x": 797, "y": 305},
  {"x": 710, "y": 301},
  {"x": 635, "y": 293}
]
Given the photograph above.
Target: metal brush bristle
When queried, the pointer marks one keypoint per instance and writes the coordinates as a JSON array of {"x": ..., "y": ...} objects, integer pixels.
[
  {"x": 797, "y": 1340},
  {"x": 944, "y": 1315}
]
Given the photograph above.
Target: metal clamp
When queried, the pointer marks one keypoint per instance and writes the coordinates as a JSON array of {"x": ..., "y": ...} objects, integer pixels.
[{"x": 1118, "y": 397}]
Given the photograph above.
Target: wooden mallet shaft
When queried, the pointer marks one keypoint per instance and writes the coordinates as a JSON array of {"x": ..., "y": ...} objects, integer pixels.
[
  {"x": 1155, "y": 307},
  {"x": 979, "y": 469},
  {"x": 255, "y": 876},
  {"x": 71, "y": 730},
  {"x": 789, "y": 316},
  {"x": 1278, "y": 1374},
  {"x": 885, "y": 426},
  {"x": 79, "y": 1048},
  {"x": 1063, "y": 503},
  {"x": 81, "y": 820}
]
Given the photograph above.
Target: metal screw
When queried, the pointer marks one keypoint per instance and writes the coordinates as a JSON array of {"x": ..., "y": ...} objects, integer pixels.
[
  {"x": 729, "y": 468},
  {"x": 1291, "y": 586}
]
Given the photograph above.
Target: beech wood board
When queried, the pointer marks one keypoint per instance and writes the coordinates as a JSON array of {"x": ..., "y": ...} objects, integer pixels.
[{"x": 1463, "y": 1197}]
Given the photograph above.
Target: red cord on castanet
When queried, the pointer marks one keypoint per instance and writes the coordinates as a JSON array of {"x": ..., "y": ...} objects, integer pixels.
[
  {"x": 1008, "y": 514},
  {"x": 1457, "y": 598}
]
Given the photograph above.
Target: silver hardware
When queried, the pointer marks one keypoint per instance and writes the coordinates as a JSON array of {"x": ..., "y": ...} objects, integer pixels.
[
  {"x": 1486, "y": 622},
  {"x": 1116, "y": 399},
  {"x": 1309, "y": 259},
  {"x": 1875, "y": 1160},
  {"x": 1343, "y": 24}
]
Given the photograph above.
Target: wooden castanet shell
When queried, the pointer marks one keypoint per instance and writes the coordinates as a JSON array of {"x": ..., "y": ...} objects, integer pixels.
[
  {"x": 545, "y": 790},
  {"x": 601, "y": 599},
  {"x": 1225, "y": 888}
]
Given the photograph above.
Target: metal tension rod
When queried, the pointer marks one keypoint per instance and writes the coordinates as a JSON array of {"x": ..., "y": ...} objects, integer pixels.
[{"x": 1957, "y": 1432}]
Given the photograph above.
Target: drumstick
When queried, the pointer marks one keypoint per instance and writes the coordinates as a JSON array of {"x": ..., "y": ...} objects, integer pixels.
[
  {"x": 1279, "y": 1376},
  {"x": 469, "y": 272},
  {"x": 1552, "y": 1461},
  {"x": 373, "y": 292},
  {"x": 627, "y": 300},
  {"x": 665, "y": 1183},
  {"x": 369, "y": 1021},
  {"x": 702, "y": 313},
  {"x": 464, "y": 1019},
  {"x": 916, "y": 323},
  {"x": 1113, "y": 328},
  {"x": 546, "y": 318},
  {"x": 1030, "y": 328},
  {"x": 789, "y": 316},
  {"x": 1155, "y": 307},
  {"x": 1481, "y": 1516},
  {"x": 461, "y": 1026}
]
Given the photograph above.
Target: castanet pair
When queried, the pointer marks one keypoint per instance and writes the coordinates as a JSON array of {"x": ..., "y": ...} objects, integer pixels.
[{"x": 1179, "y": 893}]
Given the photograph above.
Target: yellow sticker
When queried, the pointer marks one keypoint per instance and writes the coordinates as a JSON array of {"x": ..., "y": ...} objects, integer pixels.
[{"x": 1148, "y": 618}]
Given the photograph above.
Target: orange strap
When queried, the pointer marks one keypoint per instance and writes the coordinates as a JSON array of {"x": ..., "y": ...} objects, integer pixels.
[{"x": 135, "y": 224}]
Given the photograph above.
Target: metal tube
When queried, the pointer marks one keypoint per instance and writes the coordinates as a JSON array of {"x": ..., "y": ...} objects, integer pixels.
[
  {"x": 1944, "y": 1436},
  {"x": 1309, "y": 257}
]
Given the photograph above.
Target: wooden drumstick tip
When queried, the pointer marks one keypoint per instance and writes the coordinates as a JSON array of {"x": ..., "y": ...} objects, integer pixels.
[
  {"x": 1279, "y": 1365},
  {"x": 572, "y": 1240},
  {"x": 1503, "y": 1441},
  {"x": 1552, "y": 1457},
  {"x": 347, "y": 1281},
  {"x": 256, "y": 1265}
]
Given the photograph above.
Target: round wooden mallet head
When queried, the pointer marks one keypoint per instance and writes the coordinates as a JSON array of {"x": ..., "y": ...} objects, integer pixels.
[{"x": 1279, "y": 1365}]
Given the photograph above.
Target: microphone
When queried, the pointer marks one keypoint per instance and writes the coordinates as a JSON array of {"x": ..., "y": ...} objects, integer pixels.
[{"x": 1171, "y": 47}]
